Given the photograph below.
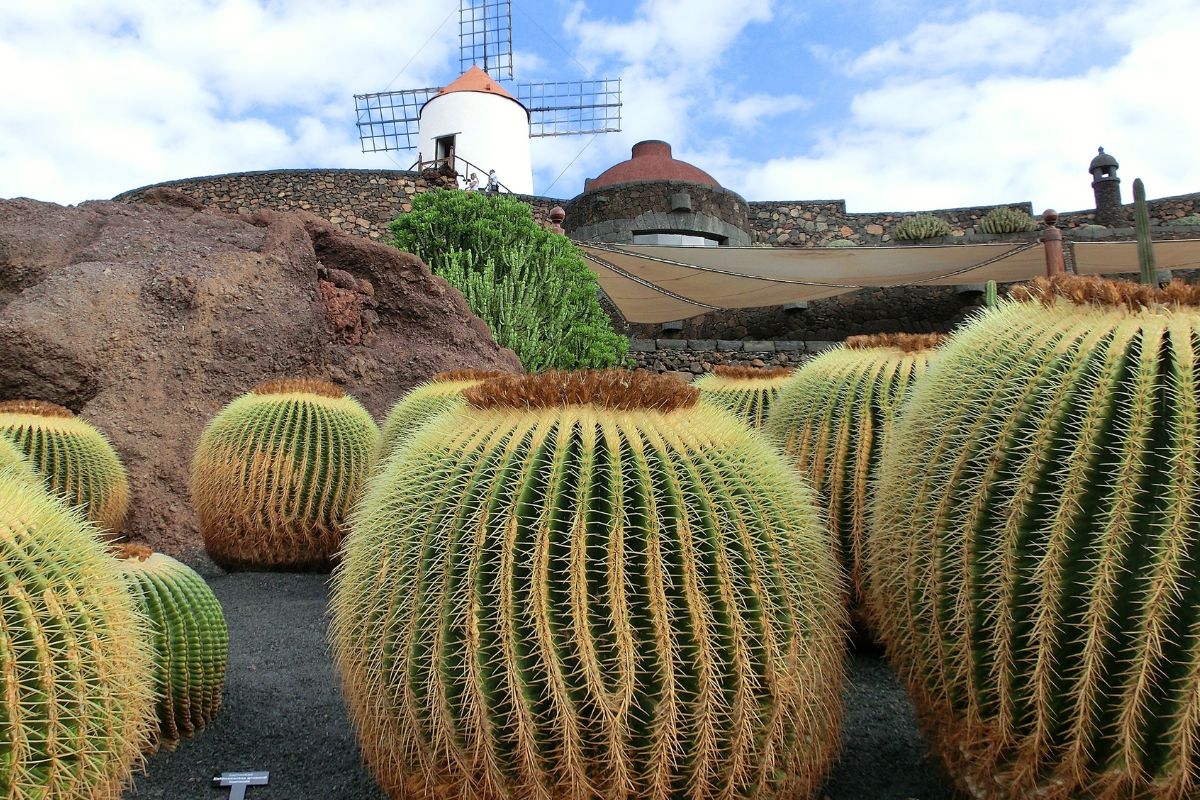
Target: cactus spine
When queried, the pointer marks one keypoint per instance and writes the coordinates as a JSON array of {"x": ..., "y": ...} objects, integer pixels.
[
  {"x": 585, "y": 585},
  {"x": 276, "y": 473},
  {"x": 13, "y": 461},
  {"x": 1141, "y": 222},
  {"x": 425, "y": 402},
  {"x": 1035, "y": 545},
  {"x": 189, "y": 638},
  {"x": 75, "y": 459},
  {"x": 830, "y": 421},
  {"x": 745, "y": 391},
  {"x": 76, "y": 707}
]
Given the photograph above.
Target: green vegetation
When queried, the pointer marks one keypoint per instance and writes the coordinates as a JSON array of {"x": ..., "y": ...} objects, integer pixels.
[
  {"x": 276, "y": 473},
  {"x": 840, "y": 243},
  {"x": 1034, "y": 545},
  {"x": 529, "y": 285},
  {"x": 921, "y": 226},
  {"x": 1147, "y": 274},
  {"x": 1006, "y": 220},
  {"x": 745, "y": 391},
  {"x": 588, "y": 585},
  {"x": 1190, "y": 219}
]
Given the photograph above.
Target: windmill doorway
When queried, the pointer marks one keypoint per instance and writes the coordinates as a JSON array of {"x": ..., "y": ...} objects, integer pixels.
[{"x": 444, "y": 151}]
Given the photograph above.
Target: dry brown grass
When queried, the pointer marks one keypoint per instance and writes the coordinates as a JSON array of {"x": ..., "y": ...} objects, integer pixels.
[
  {"x": 455, "y": 375},
  {"x": 127, "y": 550},
  {"x": 1106, "y": 292},
  {"x": 306, "y": 385},
  {"x": 614, "y": 389},
  {"x": 908, "y": 342},
  {"x": 38, "y": 408},
  {"x": 751, "y": 373}
]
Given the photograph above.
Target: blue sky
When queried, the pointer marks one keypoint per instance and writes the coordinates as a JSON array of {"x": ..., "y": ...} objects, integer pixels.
[{"x": 889, "y": 104}]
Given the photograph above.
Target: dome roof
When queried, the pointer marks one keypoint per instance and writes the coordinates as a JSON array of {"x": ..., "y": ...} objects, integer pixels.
[
  {"x": 651, "y": 161},
  {"x": 1103, "y": 159}
]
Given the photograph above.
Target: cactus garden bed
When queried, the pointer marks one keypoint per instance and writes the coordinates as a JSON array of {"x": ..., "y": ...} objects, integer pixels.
[{"x": 283, "y": 712}]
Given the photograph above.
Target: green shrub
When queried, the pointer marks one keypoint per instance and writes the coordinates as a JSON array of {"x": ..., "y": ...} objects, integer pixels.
[
  {"x": 1006, "y": 220},
  {"x": 841, "y": 243},
  {"x": 922, "y": 226},
  {"x": 529, "y": 285},
  {"x": 1190, "y": 219}
]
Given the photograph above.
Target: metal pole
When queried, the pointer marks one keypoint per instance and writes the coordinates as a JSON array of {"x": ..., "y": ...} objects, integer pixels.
[{"x": 1052, "y": 243}]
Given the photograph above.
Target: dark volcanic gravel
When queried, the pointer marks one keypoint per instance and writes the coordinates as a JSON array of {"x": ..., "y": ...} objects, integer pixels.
[{"x": 283, "y": 712}]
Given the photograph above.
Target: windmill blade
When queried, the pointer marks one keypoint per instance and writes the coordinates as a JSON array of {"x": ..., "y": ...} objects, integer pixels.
[
  {"x": 485, "y": 36},
  {"x": 388, "y": 120},
  {"x": 565, "y": 108}
]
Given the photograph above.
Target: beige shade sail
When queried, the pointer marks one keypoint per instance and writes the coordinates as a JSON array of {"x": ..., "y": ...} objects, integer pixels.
[{"x": 657, "y": 283}]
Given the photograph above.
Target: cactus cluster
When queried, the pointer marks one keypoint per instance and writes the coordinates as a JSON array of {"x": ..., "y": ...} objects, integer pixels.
[
  {"x": 423, "y": 403},
  {"x": 276, "y": 472},
  {"x": 1006, "y": 220},
  {"x": 76, "y": 709},
  {"x": 1034, "y": 547},
  {"x": 840, "y": 243},
  {"x": 75, "y": 460},
  {"x": 746, "y": 391},
  {"x": 1190, "y": 219},
  {"x": 189, "y": 639},
  {"x": 831, "y": 420},
  {"x": 920, "y": 226},
  {"x": 589, "y": 585}
]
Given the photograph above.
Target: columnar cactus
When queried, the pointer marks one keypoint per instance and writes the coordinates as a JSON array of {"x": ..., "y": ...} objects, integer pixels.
[
  {"x": 75, "y": 460},
  {"x": 586, "y": 585},
  {"x": 921, "y": 226},
  {"x": 276, "y": 473},
  {"x": 1035, "y": 548},
  {"x": 424, "y": 402},
  {"x": 746, "y": 391},
  {"x": 1006, "y": 220},
  {"x": 76, "y": 709},
  {"x": 189, "y": 639},
  {"x": 830, "y": 422}
]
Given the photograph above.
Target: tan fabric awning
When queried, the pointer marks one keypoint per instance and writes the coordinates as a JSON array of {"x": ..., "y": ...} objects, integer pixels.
[{"x": 656, "y": 283}]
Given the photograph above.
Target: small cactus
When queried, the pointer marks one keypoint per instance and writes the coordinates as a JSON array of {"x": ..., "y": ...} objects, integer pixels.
[
  {"x": 921, "y": 226},
  {"x": 991, "y": 296},
  {"x": 76, "y": 460},
  {"x": 830, "y": 421},
  {"x": 189, "y": 637},
  {"x": 423, "y": 403},
  {"x": 1034, "y": 545},
  {"x": 1007, "y": 220},
  {"x": 1190, "y": 219},
  {"x": 77, "y": 708},
  {"x": 1141, "y": 220},
  {"x": 746, "y": 391},
  {"x": 586, "y": 585},
  {"x": 840, "y": 243},
  {"x": 276, "y": 472}
]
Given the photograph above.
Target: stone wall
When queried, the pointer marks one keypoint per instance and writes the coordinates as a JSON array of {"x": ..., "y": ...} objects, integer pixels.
[
  {"x": 614, "y": 213},
  {"x": 688, "y": 358},
  {"x": 1162, "y": 211},
  {"x": 359, "y": 201}
]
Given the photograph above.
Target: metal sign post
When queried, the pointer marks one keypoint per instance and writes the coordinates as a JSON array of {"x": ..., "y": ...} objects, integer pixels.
[{"x": 238, "y": 781}]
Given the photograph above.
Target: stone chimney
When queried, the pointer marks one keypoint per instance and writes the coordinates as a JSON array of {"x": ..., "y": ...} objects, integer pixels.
[{"x": 1107, "y": 188}]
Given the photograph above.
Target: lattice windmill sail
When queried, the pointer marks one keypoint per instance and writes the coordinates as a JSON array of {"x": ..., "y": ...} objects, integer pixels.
[{"x": 476, "y": 125}]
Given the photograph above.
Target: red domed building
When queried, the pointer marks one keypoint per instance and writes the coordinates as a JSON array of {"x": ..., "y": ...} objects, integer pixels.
[{"x": 654, "y": 198}]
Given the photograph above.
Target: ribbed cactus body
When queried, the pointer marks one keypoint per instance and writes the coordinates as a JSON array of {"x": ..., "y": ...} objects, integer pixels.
[
  {"x": 75, "y": 459},
  {"x": 423, "y": 403},
  {"x": 14, "y": 462},
  {"x": 549, "y": 597},
  {"x": 76, "y": 707},
  {"x": 830, "y": 422},
  {"x": 1035, "y": 548},
  {"x": 276, "y": 473},
  {"x": 745, "y": 391},
  {"x": 189, "y": 638}
]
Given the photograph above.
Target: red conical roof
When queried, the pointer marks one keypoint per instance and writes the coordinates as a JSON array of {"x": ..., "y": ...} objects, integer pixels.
[
  {"x": 651, "y": 161},
  {"x": 476, "y": 80}
]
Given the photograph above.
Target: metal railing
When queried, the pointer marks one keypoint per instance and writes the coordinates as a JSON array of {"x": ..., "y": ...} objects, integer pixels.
[{"x": 451, "y": 162}]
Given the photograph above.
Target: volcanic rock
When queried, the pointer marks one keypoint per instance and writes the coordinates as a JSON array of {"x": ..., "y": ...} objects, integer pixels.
[{"x": 146, "y": 318}]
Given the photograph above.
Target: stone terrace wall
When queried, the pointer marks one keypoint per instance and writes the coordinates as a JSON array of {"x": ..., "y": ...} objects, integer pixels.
[
  {"x": 688, "y": 358},
  {"x": 1162, "y": 211},
  {"x": 359, "y": 201}
]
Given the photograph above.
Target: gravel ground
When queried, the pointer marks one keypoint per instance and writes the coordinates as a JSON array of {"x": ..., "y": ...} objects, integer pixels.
[{"x": 283, "y": 712}]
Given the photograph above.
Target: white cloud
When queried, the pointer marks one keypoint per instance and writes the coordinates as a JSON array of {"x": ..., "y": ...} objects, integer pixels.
[{"x": 754, "y": 109}]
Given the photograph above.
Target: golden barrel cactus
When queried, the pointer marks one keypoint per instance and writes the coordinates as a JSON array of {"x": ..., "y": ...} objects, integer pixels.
[
  {"x": 424, "y": 402},
  {"x": 746, "y": 391},
  {"x": 76, "y": 461},
  {"x": 13, "y": 460},
  {"x": 830, "y": 422},
  {"x": 189, "y": 638},
  {"x": 588, "y": 585},
  {"x": 276, "y": 472},
  {"x": 1036, "y": 545},
  {"x": 76, "y": 709}
]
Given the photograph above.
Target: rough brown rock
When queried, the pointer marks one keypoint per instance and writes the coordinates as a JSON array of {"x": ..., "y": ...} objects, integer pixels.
[{"x": 147, "y": 318}]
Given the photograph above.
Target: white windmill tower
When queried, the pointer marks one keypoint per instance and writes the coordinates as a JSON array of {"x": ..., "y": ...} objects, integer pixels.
[{"x": 475, "y": 124}]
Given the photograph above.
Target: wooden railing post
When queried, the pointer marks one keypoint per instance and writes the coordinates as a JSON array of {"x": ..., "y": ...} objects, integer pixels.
[{"x": 1052, "y": 243}]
